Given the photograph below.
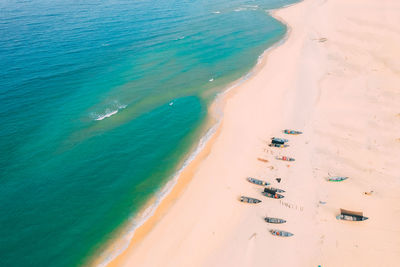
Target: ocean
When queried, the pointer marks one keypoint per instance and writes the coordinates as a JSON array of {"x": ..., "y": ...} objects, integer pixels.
[{"x": 100, "y": 104}]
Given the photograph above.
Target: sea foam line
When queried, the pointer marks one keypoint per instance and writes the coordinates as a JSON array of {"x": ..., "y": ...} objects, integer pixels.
[{"x": 108, "y": 113}]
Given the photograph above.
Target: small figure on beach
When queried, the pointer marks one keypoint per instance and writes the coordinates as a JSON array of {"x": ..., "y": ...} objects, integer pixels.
[{"x": 368, "y": 193}]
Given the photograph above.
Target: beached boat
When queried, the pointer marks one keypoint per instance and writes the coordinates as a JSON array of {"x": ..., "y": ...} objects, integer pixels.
[
  {"x": 278, "y": 145},
  {"x": 284, "y": 158},
  {"x": 348, "y": 215},
  {"x": 257, "y": 181},
  {"x": 274, "y": 189},
  {"x": 280, "y": 233},
  {"x": 271, "y": 193},
  {"x": 274, "y": 220},
  {"x": 249, "y": 200},
  {"x": 279, "y": 140},
  {"x": 287, "y": 131},
  {"x": 337, "y": 179},
  {"x": 276, "y": 195}
]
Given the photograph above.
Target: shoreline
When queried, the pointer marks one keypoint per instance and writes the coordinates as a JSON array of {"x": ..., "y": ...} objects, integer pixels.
[
  {"x": 326, "y": 81},
  {"x": 157, "y": 205}
]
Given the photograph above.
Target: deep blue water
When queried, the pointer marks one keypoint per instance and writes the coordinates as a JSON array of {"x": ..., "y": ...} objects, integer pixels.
[{"x": 99, "y": 102}]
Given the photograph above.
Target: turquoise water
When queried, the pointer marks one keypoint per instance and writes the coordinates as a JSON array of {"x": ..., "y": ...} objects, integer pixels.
[{"x": 99, "y": 102}]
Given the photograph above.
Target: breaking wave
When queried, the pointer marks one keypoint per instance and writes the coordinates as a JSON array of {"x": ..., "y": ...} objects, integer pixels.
[{"x": 108, "y": 112}]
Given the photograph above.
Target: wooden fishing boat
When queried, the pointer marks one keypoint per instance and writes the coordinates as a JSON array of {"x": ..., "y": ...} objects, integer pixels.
[
  {"x": 279, "y": 140},
  {"x": 284, "y": 158},
  {"x": 278, "y": 145},
  {"x": 276, "y": 195},
  {"x": 249, "y": 200},
  {"x": 274, "y": 220},
  {"x": 271, "y": 193},
  {"x": 348, "y": 215},
  {"x": 274, "y": 189},
  {"x": 257, "y": 181},
  {"x": 280, "y": 233},
  {"x": 337, "y": 179},
  {"x": 293, "y": 132}
]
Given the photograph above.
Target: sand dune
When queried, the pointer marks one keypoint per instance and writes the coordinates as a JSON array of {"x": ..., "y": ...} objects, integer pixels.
[{"x": 336, "y": 78}]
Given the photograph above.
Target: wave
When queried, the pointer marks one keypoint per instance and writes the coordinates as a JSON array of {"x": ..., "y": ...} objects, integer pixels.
[
  {"x": 106, "y": 115},
  {"x": 109, "y": 112},
  {"x": 246, "y": 7}
]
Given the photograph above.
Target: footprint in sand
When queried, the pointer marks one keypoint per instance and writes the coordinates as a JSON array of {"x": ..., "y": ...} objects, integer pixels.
[{"x": 249, "y": 255}]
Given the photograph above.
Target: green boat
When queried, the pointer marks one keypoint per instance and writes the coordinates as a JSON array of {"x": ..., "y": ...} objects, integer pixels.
[{"x": 337, "y": 178}]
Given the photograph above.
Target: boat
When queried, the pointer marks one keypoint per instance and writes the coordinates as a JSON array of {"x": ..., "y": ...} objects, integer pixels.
[
  {"x": 284, "y": 158},
  {"x": 279, "y": 140},
  {"x": 276, "y": 195},
  {"x": 271, "y": 193},
  {"x": 278, "y": 145},
  {"x": 274, "y": 220},
  {"x": 274, "y": 189},
  {"x": 257, "y": 182},
  {"x": 280, "y": 233},
  {"x": 348, "y": 215},
  {"x": 337, "y": 179},
  {"x": 249, "y": 200},
  {"x": 293, "y": 132}
]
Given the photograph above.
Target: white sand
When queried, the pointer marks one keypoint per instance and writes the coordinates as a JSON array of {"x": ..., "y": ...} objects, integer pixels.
[{"x": 344, "y": 93}]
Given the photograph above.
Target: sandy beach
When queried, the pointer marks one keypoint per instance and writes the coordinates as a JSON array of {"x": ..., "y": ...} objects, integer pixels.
[{"x": 336, "y": 78}]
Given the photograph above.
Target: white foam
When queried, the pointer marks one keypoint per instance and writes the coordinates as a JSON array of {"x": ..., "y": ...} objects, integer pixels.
[
  {"x": 211, "y": 80},
  {"x": 109, "y": 112},
  {"x": 107, "y": 115},
  {"x": 246, "y": 7},
  {"x": 216, "y": 12}
]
